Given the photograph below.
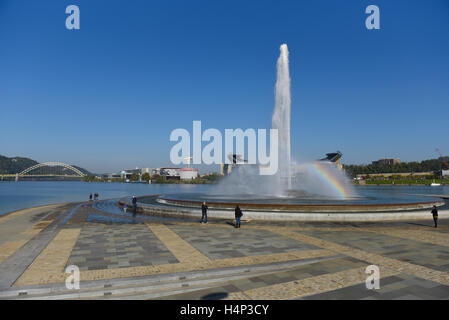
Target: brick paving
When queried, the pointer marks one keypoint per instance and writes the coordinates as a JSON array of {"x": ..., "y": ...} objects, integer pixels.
[
  {"x": 106, "y": 244},
  {"x": 101, "y": 246}
]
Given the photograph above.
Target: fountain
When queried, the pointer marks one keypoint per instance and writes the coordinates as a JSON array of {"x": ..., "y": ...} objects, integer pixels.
[
  {"x": 281, "y": 118},
  {"x": 313, "y": 179},
  {"x": 319, "y": 187}
]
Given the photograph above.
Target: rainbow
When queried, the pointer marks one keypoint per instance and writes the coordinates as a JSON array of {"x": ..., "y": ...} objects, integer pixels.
[{"x": 325, "y": 174}]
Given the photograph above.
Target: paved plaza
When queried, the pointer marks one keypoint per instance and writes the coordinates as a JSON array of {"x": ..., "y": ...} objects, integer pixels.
[{"x": 148, "y": 257}]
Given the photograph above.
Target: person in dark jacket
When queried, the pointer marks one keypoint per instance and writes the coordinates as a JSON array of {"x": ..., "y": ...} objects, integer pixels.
[
  {"x": 134, "y": 201},
  {"x": 204, "y": 213},
  {"x": 435, "y": 215},
  {"x": 238, "y": 215},
  {"x": 90, "y": 197}
]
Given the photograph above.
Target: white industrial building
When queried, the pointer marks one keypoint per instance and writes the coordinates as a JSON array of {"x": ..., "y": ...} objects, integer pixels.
[
  {"x": 170, "y": 173},
  {"x": 188, "y": 173},
  {"x": 167, "y": 172},
  {"x": 127, "y": 173},
  {"x": 111, "y": 176}
]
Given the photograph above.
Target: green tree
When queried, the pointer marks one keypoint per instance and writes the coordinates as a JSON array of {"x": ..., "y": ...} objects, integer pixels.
[
  {"x": 212, "y": 178},
  {"x": 90, "y": 178},
  {"x": 146, "y": 177}
]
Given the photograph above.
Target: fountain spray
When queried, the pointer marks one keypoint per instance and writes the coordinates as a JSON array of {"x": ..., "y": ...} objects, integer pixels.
[{"x": 281, "y": 116}]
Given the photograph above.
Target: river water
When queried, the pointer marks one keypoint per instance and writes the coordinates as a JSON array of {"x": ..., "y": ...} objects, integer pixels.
[{"x": 26, "y": 194}]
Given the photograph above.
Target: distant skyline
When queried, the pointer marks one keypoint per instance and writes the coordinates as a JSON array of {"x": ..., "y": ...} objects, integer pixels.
[{"x": 107, "y": 96}]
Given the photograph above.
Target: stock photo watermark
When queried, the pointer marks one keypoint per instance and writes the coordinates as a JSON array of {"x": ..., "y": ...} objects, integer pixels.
[
  {"x": 373, "y": 20},
  {"x": 72, "y": 282},
  {"x": 213, "y": 152},
  {"x": 373, "y": 280},
  {"x": 72, "y": 22}
]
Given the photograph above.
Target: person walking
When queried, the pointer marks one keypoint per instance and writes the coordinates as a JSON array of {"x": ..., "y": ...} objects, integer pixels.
[
  {"x": 238, "y": 215},
  {"x": 134, "y": 201},
  {"x": 204, "y": 213},
  {"x": 435, "y": 215},
  {"x": 90, "y": 197}
]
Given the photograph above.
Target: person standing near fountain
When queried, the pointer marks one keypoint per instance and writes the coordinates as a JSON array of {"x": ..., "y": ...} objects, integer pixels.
[
  {"x": 435, "y": 215},
  {"x": 238, "y": 215},
  {"x": 134, "y": 202},
  {"x": 204, "y": 213}
]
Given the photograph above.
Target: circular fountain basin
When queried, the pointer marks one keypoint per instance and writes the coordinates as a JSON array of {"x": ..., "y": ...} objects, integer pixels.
[
  {"x": 370, "y": 205},
  {"x": 303, "y": 204}
]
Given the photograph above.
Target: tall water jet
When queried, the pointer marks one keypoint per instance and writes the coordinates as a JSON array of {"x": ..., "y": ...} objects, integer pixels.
[
  {"x": 281, "y": 117},
  {"x": 318, "y": 179}
]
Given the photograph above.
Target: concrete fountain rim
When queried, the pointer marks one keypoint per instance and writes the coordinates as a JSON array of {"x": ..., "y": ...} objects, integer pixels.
[{"x": 380, "y": 214}]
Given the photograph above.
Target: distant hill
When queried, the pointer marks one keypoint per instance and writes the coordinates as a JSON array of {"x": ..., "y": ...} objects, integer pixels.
[
  {"x": 15, "y": 165},
  {"x": 18, "y": 164}
]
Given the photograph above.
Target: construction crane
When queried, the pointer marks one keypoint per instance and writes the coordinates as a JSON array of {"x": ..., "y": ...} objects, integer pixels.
[
  {"x": 442, "y": 158},
  {"x": 188, "y": 160}
]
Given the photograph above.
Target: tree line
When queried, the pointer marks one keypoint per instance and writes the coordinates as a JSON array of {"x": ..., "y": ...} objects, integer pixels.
[{"x": 433, "y": 165}]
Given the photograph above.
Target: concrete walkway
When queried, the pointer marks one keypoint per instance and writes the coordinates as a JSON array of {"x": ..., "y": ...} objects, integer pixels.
[{"x": 149, "y": 257}]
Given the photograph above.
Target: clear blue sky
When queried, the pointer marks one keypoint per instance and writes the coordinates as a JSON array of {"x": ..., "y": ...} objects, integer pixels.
[{"x": 107, "y": 96}]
